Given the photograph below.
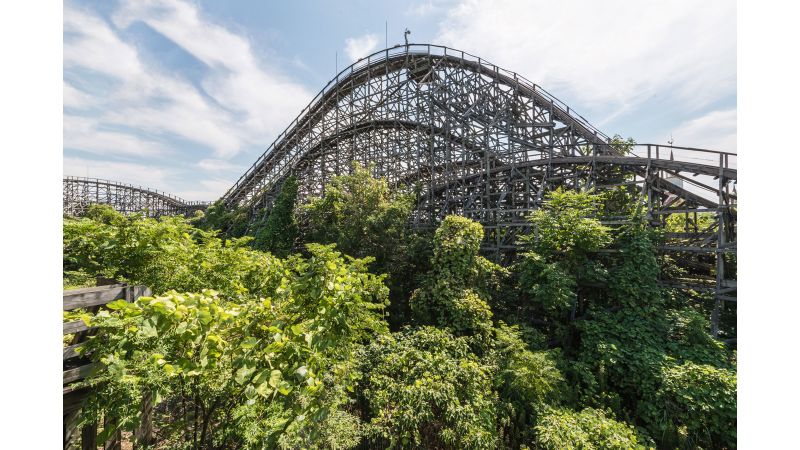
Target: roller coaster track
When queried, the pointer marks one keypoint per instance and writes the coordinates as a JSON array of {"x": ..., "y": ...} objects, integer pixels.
[
  {"x": 482, "y": 142},
  {"x": 81, "y": 192}
]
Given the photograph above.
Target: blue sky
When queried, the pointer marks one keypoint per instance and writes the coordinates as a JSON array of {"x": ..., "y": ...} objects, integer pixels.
[{"x": 184, "y": 96}]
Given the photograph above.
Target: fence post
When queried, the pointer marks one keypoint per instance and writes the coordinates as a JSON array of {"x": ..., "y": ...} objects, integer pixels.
[
  {"x": 114, "y": 441},
  {"x": 89, "y": 437},
  {"x": 143, "y": 436},
  {"x": 71, "y": 430}
]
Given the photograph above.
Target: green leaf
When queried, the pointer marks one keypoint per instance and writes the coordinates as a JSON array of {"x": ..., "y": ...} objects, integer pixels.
[
  {"x": 285, "y": 388},
  {"x": 250, "y": 391},
  {"x": 117, "y": 304},
  {"x": 275, "y": 378},
  {"x": 249, "y": 343},
  {"x": 243, "y": 374}
]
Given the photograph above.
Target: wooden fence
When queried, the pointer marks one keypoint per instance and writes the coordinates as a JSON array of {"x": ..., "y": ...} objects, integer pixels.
[{"x": 78, "y": 367}]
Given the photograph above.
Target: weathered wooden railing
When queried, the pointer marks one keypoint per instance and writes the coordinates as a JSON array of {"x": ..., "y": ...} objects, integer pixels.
[{"x": 77, "y": 367}]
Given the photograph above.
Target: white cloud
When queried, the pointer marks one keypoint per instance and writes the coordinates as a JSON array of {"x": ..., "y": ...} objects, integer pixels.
[
  {"x": 360, "y": 46},
  {"x": 421, "y": 9},
  {"x": 249, "y": 103},
  {"x": 715, "y": 130},
  {"x": 215, "y": 165},
  {"x": 83, "y": 133},
  {"x": 91, "y": 44},
  {"x": 237, "y": 80},
  {"x": 75, "y": 98},
  {"x": 610, "y": 55},
  {"x": 125, "y": 172}
]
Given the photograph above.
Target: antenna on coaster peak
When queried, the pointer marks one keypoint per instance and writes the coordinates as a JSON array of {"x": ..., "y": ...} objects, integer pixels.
[{"x": 405, "y": 35}]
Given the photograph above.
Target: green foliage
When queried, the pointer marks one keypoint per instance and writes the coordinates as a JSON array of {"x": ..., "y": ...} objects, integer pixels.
[
  {"x": 634, "y": 280},
  {"x": 279, "y": 231},
  {"x": 360, "y": 214},
  {"x": 527, "y": 383},
  {"x": 232, "y": 222},
  {"x": 363, "y": 216},
  {"x": 689, "y": 339},
  {"x": 454, "y": 293},
  {"x": 425, "y": 389},
  {"x": 565, "y": 228},
  {"x": 246, "y": 349},
  {"x": 699, "y": 406},
  {"x": 287, "y": 348},
  {"x": 550, "y": 288},
  {"x": 587, "y": 430},
  {"x": 621, "y": 353},
  {"x": 166, "y": 253},
  {"x": 76, "y": 279}
]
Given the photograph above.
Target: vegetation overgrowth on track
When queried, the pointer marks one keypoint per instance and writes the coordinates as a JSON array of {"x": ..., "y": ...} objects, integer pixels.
[{"x": 332, "y": 325}]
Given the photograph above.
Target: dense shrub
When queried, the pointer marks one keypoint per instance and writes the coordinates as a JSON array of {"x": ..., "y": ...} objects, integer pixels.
[
  {"x": 277, "y": 233},
  {"x": 527, "y": 383},
  {"x": 361, "y": 215},
  {"x": 166, "y": 253},
  {"x": 699, "y": 404},
  {"x": 454, "y": 293},
  {"x": 247, "y": 349},
  {"x": 425, "y": 389},
  {"x": 588, "y": 429},
  {"x": 277, "y": 355}
]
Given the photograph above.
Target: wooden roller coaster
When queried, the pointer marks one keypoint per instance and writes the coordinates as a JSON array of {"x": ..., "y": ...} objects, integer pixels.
[{"x": 478, "y": 141}]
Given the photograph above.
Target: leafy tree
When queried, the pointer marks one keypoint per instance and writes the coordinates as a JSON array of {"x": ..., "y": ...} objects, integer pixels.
[
  {"x": 278, "y": 355},
  {"x": 425, "y": 389},
  {"x": 588, "y": 429},
  {"x": 363, "y": 216},
  {"x": 278, "y": 232},
  {"x": 360, "y": 214},
  {"x": 558, "y": 267},
  {"x": 699, "y": 406},
  {"x": 528, "y": 383},
  {"x": 232, "y": 222},
  {"x": 565, "y": 228},
  {"x": 454, "y": 293},
  {"x": 166, "y": 253}
]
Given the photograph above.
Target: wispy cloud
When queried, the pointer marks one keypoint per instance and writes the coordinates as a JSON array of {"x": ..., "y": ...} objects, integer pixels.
[
  {"x": 715, "y": 130},
  {"x": 75, "y": 98},
  {"x": 215, "y": 165},
  {"x": 608, "y": 55},
  {"x": 86, "y": 134},
  {"x": 239, "y": 103},
  {"x": 125, "y": 172},
  {"x": 360, "y": 46},
  {"x": 421, "y": 9}
]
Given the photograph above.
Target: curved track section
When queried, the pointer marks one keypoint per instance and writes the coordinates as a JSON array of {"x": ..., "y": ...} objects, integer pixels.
[
  {"x": 479, "y": 141},
  {"x": 80, "y": 192},
  {"x": 419, "y": 112}
]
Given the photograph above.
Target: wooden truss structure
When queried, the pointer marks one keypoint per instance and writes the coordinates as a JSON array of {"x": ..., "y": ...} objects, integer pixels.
[
  {"x": 80, "y": 192},
  {"x": 486, "y": 143}
]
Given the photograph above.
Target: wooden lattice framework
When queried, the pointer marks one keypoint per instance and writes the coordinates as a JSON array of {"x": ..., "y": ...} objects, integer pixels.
[
  {"x": 482, "y": 142},
  {"x": 81, "y": 192}
]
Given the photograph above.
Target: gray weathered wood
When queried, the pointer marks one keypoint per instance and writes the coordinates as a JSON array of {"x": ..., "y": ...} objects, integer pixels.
[
  {"x": 71, "y": 351},
  {"x": 70, "y": 427},
  {"x": 143, "y": 436},
  {"x": 80, "y": 373},
  {"x": 114, "y": 442},
  {"x": 89, "y": 437},
  {"x": 75, "y": 327},
  {"x": 88, "y": 297}
]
